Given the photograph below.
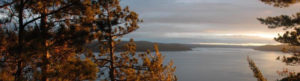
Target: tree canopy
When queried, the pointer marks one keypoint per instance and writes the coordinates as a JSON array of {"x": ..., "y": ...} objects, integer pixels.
[
  {"x": 46, "y": 40},
  {"x": 291, "y": 24},
  {"x": 280, "y": 3}
]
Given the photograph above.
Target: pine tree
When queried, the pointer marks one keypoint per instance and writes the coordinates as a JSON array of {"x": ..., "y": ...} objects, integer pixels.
[
  {"x": 45, "y": 40},
  {"x": 127, "y": 65},
  {"x": 50, "y": 34},
  {"x": 290, "y": 37},
  {"x": 280, "y": 3}
]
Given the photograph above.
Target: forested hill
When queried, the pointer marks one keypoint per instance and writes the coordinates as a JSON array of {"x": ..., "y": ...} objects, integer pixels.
[
  {"x": 278, "y": 48},
  {"x": 144, "y": 45}
]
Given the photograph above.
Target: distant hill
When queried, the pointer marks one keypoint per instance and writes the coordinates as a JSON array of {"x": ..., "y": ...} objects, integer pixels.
[
  {"x": 144, "y": 45},
  {"x": 219, "y": 46},
  {"x": 277, "y": 48}
]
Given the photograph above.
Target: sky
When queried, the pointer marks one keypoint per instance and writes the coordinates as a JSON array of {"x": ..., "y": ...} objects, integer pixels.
[
  {"x": 232, "y": 22},
  {"x": 205, "y": 21}
]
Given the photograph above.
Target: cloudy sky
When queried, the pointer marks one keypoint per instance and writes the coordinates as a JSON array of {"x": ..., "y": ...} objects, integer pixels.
[{"x": 205, "y": 21}]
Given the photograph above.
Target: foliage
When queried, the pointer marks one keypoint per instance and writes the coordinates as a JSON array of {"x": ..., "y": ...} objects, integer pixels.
[
  {"x": 256, "y": 71},
  {"x": 132, "y": 66},
  {"x": 280, "y": 3},
  {"x": 282, "y": 21},
  {"x": 44, "y": 40},
  {"x": 290, "y": 37},
  {"x": 126, "y": 65}
]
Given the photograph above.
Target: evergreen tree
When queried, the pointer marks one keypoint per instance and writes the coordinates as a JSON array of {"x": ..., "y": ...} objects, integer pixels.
[
  {"x": 45, "y": 40},
  {"x": 127, "y": 65},
  {"x": 290, "y": 37},
  {"x": 280, "y": 3},
  {"x": 49, "y": 35}
]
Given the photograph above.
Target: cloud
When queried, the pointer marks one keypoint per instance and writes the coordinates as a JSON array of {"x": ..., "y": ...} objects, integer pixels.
[
  {"x": 227, "y": 35},
  {"x": 210, "y": 18}
]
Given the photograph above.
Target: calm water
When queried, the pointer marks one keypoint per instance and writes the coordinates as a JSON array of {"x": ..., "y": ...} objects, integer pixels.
[{"x": 224, "y": 64}]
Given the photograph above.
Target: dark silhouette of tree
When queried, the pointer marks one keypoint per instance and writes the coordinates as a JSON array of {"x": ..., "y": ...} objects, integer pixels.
[
  {"x": 290, "y": 37},
  {"x": 280, "y": 3},
  {"x": 45, "y": 40},
  {"x": 45, "y": 35}
]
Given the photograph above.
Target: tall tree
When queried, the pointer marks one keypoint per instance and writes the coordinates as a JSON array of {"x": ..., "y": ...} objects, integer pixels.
[
  {"x": 57, "y": 38},
  {"x": 45, "y": 40},
  {"x": 127, "y": 65},
  {"x": 290, "y": 37}
]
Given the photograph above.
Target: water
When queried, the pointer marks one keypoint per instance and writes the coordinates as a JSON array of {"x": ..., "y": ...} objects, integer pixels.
[{"x": 224, "y": 64}]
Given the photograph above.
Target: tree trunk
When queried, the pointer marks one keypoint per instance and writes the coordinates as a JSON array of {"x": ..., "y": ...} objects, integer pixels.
[
  {"x": 18, "y": 74},
  {"x": 45, "y": 56},
  {"x": 111, "y": 51}
]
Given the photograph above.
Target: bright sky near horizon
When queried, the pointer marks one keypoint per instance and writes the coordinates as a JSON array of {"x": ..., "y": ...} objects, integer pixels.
[{"x": 205, "y": 21}]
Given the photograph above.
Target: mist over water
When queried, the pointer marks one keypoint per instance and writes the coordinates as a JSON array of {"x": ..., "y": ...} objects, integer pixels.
[{"x": 224, "y": 64}]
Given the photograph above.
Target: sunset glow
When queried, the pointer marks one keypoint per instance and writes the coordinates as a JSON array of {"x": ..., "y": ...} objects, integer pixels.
[
  {"x": 254, "y": 35},
  {"x": 236, "y": 44},
  {"x": 260, "y": 35}
]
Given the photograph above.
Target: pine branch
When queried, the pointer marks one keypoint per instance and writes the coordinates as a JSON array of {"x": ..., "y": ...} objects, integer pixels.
[
  {"x": 53, "y": 12},
  {"x": 256, "y": 71}
]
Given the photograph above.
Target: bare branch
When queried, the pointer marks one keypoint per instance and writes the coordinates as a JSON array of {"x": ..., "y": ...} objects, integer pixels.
[
  {"x": 8, "y": 4},
  {"x": 104, "y": 60},
  {"x": 53, "y": 12}
]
